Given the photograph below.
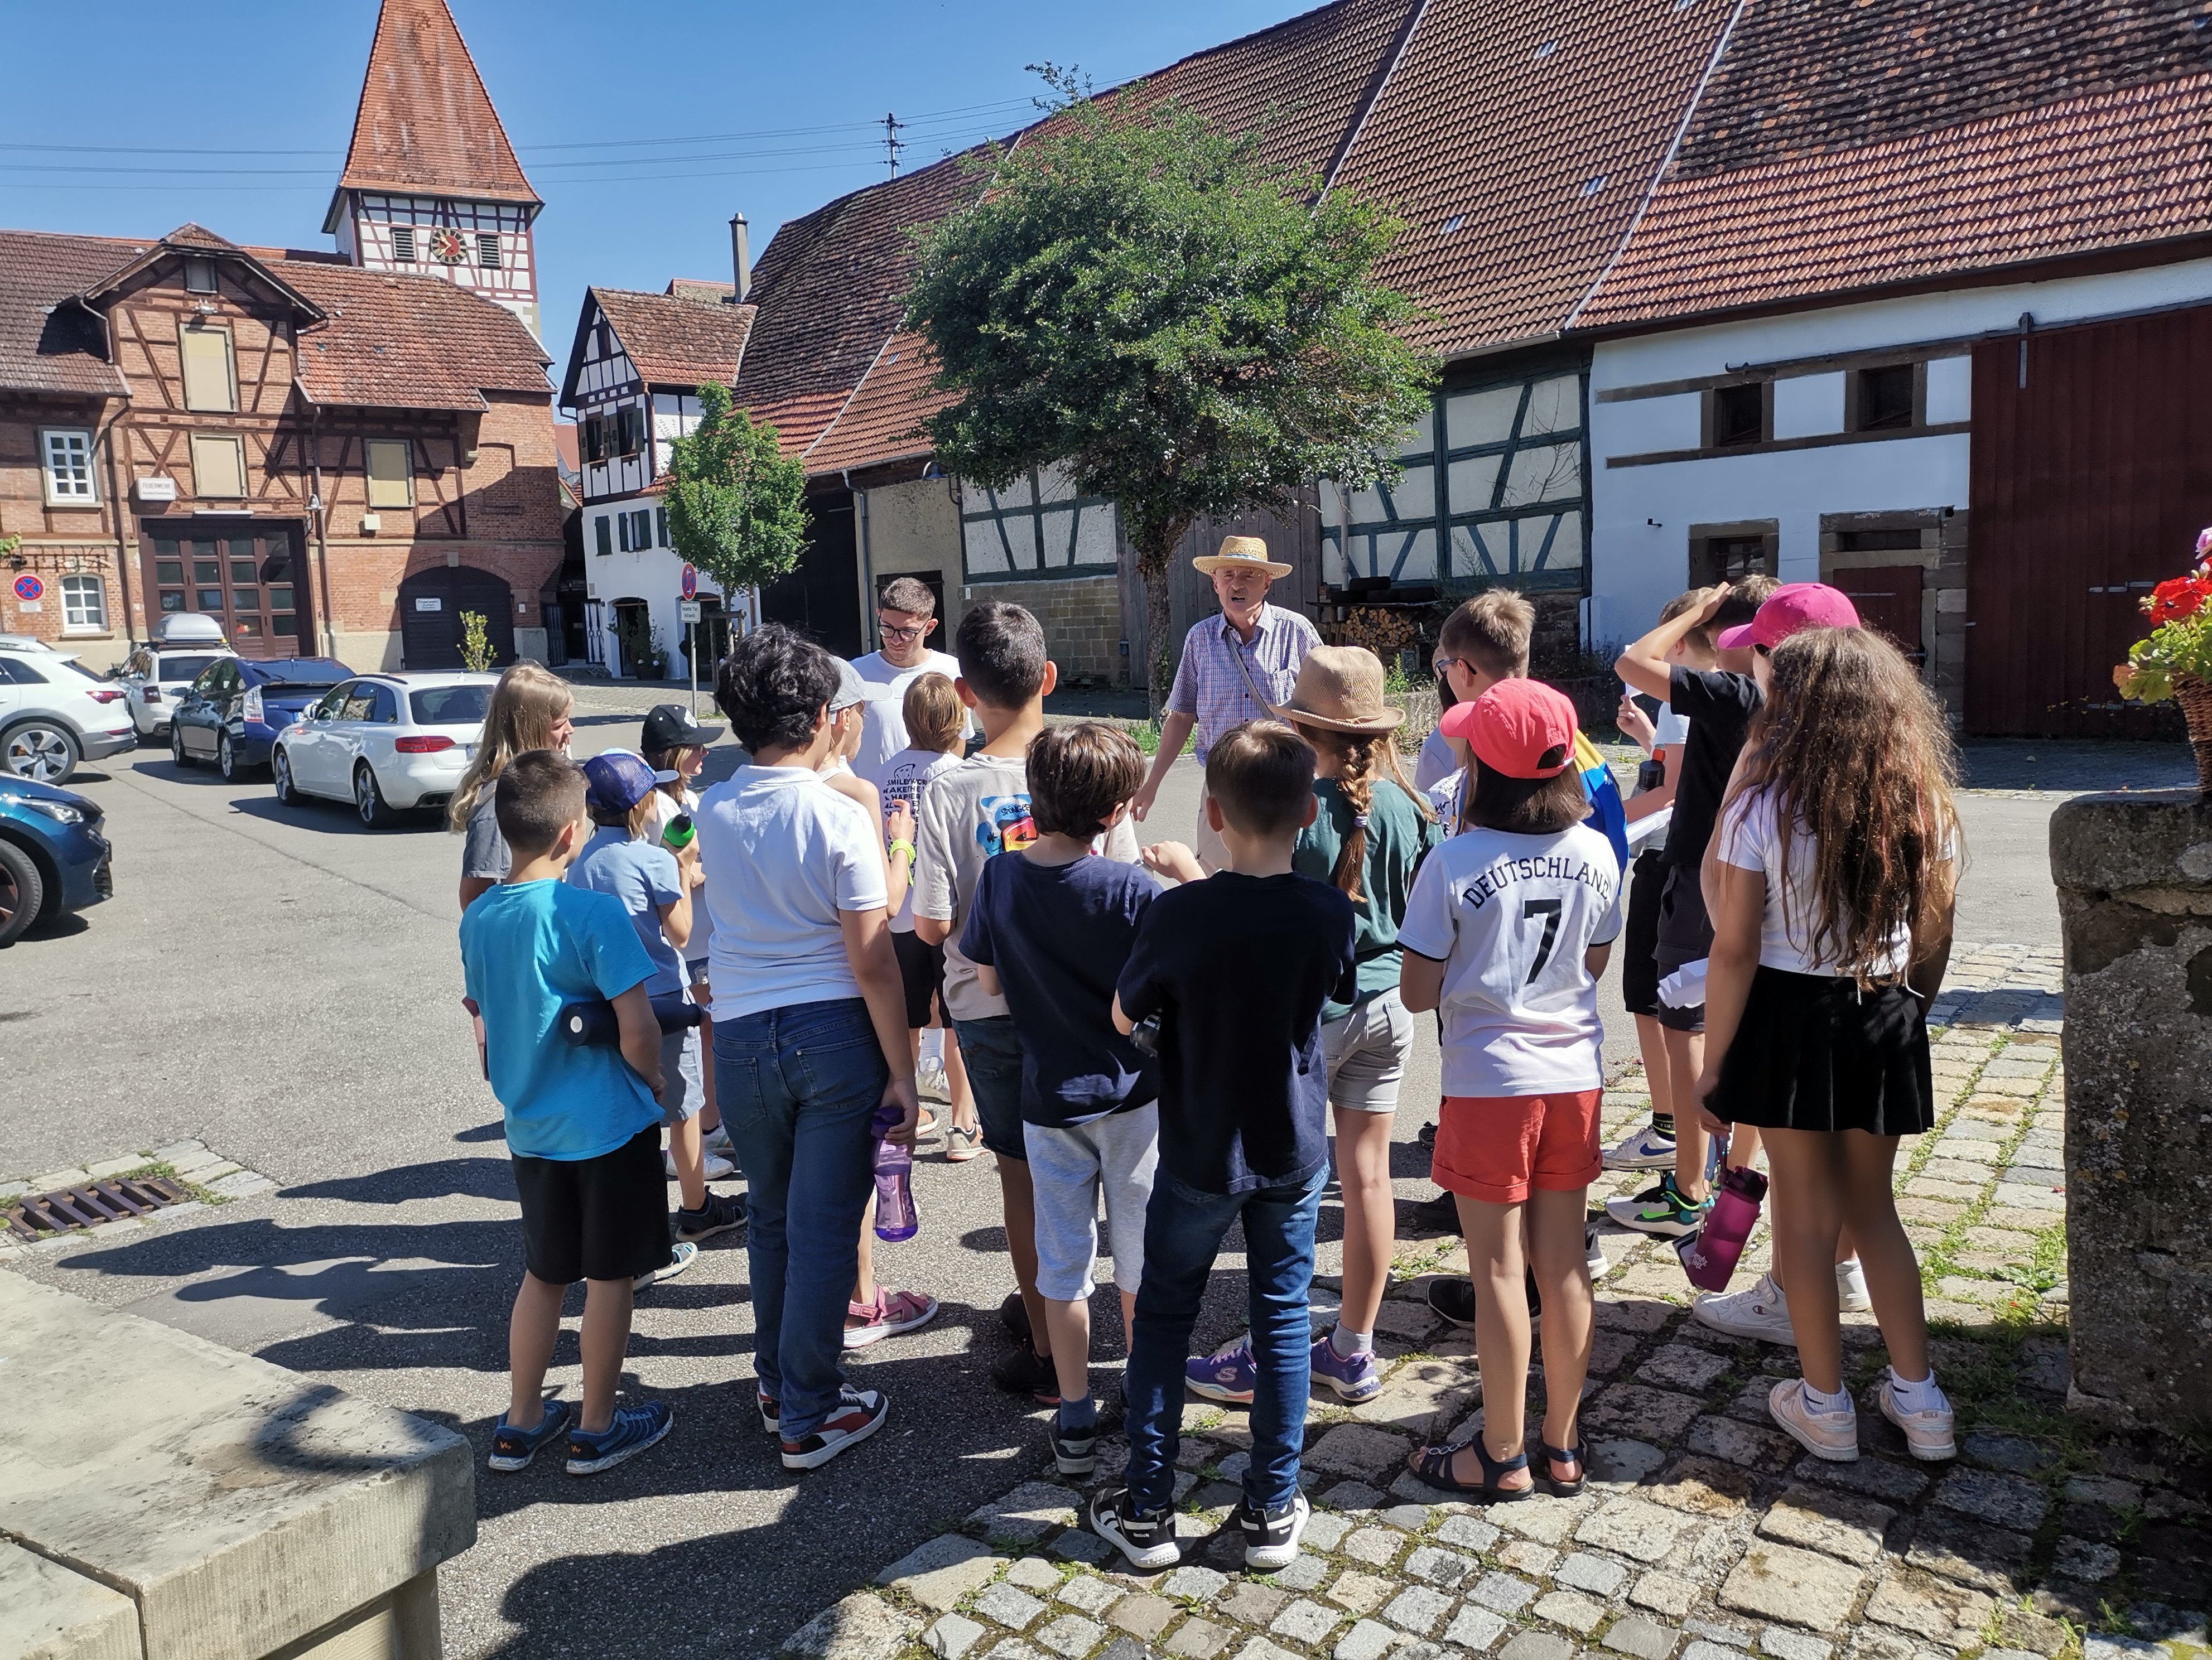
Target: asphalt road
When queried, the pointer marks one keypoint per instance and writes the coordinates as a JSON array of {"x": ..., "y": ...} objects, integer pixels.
[{"x": 283, "y": 985}]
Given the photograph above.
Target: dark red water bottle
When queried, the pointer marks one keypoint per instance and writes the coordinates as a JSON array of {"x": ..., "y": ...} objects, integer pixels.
[
  {"x": 895, "y": 1214},
  {"x": 1708, "y": 1256}
]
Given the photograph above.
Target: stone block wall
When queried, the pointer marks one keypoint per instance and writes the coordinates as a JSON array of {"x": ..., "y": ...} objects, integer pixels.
[
  {"x": 1081, "y": 617},
  {"x": 2134, "y": 874}
]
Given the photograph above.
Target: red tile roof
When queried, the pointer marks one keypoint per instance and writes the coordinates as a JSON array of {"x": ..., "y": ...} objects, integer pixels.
[
  {"x": 396, "y": 342},
  {"x": 426, "y": 125},
  {"x": 882, "y": 420},
  {"x": 48, "y": 344},
  {"x": 671, "y": 341},
  {"x": 2112, "y": 170}
]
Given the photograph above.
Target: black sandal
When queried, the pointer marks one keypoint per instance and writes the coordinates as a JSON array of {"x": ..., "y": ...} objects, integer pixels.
[
  {"x": 1577, "y": 1454},
  {"x": 1433, "y": 1466}
]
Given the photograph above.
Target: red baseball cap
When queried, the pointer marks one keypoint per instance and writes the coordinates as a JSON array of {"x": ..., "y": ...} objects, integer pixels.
[
  {"x": 1522, "y": 728},
  {"x": 1792, "y": 606}
]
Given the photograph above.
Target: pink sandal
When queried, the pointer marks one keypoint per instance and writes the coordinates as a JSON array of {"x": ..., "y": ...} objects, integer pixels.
[{"x": 891, "y": 1314}]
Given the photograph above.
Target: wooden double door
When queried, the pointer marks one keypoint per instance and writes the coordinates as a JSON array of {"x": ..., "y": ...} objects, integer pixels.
[{"x": 250, "y": 575}]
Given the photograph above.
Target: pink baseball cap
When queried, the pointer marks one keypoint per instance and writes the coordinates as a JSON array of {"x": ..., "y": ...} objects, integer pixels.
[
  {"x": 1792, "y": 606},
  {"x": 1522, "y": 728}
]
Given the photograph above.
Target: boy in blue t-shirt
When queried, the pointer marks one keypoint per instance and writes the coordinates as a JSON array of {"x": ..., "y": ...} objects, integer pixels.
[
  {"x": 583, "y": 1124},
  {"x": 1237, "y": 969},
  {"x": 1049, "y": 928}
]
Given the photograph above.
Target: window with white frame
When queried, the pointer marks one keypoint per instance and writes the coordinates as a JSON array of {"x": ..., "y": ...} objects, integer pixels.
[
  {"x": 1493, "y": 490},
  {"x": 1036, "y": 526},
  {"x": 66, "y": 457},
  {"x": 84, "y": 604}
]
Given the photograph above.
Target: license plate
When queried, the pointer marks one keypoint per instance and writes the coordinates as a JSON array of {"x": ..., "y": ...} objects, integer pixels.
[{"x": 468, "y": 751}]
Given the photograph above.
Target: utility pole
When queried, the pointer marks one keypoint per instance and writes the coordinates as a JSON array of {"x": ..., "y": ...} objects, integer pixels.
[{"x": 892, "y": 143}]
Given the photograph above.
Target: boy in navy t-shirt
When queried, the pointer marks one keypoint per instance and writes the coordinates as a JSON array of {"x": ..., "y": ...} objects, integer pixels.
[
  {"x": 1049, "y": 929},
  {"x": 1236, "y": 969},
  {"x": 583, "y": 1123}
]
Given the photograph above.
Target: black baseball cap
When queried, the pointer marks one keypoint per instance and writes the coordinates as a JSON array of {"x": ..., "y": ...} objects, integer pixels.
[{"x": 672, "y": 727}]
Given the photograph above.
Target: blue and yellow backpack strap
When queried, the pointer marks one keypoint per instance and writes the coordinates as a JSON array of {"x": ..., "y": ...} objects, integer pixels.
[{"x": 1607, "y": 815}]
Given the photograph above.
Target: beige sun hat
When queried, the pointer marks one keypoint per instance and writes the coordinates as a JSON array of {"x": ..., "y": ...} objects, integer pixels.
[
  {"x": 1241, "y": 552},
  {"x": 1340, "y": 688}
]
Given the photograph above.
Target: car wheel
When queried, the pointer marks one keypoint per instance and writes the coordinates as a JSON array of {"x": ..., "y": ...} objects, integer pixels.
[
  {"x": 368, "y": 800},
  {"x": 280, "y": 766},
  {"x": 177, "y": 746},
  {"x": 22, "y": 892},
  {"x": 41, "y": 751}
]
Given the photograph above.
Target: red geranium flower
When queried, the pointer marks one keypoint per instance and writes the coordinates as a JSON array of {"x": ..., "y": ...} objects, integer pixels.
[{"x": 2178, "y": 597}]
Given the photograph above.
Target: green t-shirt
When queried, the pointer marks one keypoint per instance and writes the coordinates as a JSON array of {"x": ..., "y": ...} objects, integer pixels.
[{"x": 1399, "y": 835}]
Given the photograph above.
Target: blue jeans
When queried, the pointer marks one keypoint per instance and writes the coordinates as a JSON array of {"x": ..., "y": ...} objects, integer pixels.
[
  {"x": 1183, "y": 1231},
  {"x": 798, "y": 1087},
  {"x": 991, "y": 1050}
]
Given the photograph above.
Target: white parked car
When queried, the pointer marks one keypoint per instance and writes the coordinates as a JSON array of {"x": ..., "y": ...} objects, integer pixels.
[
  {"x": 54, "y": 712},
  {"x": 158, "y": 673},
  {"x": 387, "y": 742}
]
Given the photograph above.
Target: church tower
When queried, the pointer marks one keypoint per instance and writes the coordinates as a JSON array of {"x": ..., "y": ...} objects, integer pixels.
[{"x": 431, "y": 186}]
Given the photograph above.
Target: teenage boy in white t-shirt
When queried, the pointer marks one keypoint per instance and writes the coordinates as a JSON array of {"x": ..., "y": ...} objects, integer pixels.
[
  {"x": 906, "y": 616},
  {"x": 1507, "y": 930}
]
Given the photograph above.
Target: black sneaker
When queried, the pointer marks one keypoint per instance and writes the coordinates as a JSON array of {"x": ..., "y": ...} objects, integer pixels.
[
  {"x": 1427, "y": 1138},
  {"x": 1075, "y": 1452},
  {"x": 1148, "y": 1541},
  {"x": 1436, "y": 1215},
  {"x": 1026, "y": 1373},
  {"x": 721, "y": 1213},
  {"x": 1014, "y": 1315},
  {"x": 1454, "y": 1299},
  {"x": 1271, "y": 1537}
]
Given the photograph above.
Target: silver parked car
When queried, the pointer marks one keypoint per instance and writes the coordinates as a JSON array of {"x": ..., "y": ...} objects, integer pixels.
[
  {"x": 385, "y": 742},
  {"x": 158, "y": 673}
]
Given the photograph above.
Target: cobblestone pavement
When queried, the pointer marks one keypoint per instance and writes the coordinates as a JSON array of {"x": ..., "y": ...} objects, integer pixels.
[{"x": 1703, "y": 1535}]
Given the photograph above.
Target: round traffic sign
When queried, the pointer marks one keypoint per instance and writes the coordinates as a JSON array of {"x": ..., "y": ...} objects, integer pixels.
[
  {"x": 28, "y": 586},
  {"x": 690, "y": 583}
]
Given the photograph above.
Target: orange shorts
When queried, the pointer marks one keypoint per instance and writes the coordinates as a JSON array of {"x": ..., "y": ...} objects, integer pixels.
[{"x": 1496, "y": 1147}]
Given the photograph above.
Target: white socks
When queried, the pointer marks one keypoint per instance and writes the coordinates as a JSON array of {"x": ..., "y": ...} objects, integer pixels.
[
  {"x": 933, "y": 1046},
  {"x": 1828, "y": 1405},
  {"x": 1349, "y": 1343},
  {"x": 1922, "y": 1396}
]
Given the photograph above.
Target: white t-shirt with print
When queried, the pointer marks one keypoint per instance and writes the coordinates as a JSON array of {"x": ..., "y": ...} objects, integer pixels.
[
  {"x": 1509, "y": 917},
  {"x": 785, "y": 856},
  {"x": 883, "y": 717},
  {"x": 906, "y": 777},
  {"x": 1751, "y": 839},
  {"x": 973, "y": 811},
  {"x": 1435, "y": 762}
]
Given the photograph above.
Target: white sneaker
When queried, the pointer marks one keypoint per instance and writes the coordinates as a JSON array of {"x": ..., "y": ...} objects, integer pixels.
[
  {"x": 1645, "y": 1150},
  {"x": 681, "y": 1256},
  {"x": 717, "y": 1167},
  {"x": 1928, "y": 1434},
  {"x": 717, "y": 1139},
  {"x": 1759, "y": 1312},
  {"x": 1850, "y": 1288},
  {"x": 1833, "y": 1436},
  {"x": 929, "y": 1079}
]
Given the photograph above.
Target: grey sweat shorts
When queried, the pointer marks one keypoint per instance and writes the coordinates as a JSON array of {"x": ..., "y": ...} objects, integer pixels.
[
  {"x": 1069, "y": 1168},
  {"x": 682, "y": 1093},
  {"x": 1365, "y": 1052}
]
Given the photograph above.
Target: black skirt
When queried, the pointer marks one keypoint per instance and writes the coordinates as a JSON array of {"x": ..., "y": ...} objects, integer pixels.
[{"x": 1812, "y": 1053}]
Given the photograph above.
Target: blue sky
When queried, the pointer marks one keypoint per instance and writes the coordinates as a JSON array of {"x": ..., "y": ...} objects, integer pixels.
[{"x": 237, "y": 115}]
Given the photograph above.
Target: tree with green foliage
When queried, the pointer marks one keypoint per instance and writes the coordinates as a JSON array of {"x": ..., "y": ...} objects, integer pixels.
[
  {"x": 1185, "y": 329},
  {"x": 737, "y": 506}
]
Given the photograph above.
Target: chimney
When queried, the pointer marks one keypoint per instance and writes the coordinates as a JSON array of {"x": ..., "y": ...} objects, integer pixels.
[{"x": 741, "y": 258}]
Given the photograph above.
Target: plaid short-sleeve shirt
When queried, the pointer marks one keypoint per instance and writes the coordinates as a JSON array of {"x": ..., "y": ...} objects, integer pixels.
[{"x": 1210, "y": 685}]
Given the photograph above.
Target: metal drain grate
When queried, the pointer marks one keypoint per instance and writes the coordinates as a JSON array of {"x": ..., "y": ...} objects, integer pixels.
[{"x": 43, "y": 1215}]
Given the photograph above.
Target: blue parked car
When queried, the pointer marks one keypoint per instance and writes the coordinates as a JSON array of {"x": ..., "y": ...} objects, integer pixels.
[
  {"x": 232, "y": 713},
  {"x": 53, "y": 860}
]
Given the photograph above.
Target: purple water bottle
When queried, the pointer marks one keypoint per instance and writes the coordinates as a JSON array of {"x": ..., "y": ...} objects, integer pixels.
[
  {"x": 1708, "y": 1256},
  {"x": 895, "y": 1217}
]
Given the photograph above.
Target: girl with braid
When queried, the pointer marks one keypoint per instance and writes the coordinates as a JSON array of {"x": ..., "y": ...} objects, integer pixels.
[{"x": 1372, "y": 831}]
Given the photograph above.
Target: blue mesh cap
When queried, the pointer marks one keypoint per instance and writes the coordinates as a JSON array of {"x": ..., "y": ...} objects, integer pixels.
[{"x": 616, "y": 781}]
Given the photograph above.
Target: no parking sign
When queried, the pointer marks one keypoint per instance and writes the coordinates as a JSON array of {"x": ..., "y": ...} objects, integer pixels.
[
  {"x": 29, "y": 588},
  {"x": 690, "y": 583}
]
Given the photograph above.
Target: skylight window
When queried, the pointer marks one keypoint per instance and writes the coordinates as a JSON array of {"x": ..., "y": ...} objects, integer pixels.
[
  {"x": 1591, "y": 187},
  {"x": 1545, "y": 51},
  {"x": 1452, "y": 224}
]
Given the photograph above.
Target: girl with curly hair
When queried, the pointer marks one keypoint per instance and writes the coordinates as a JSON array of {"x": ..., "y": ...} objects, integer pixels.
[{"x": 1832, "y": 883}]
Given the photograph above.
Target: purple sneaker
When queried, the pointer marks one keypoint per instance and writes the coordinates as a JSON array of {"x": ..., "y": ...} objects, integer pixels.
[
  {"x": 1227, "y": 1374},
  {"x": 1352, "y": 1377}
]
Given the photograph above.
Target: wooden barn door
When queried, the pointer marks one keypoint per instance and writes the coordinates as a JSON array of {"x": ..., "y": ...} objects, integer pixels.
[
  {"x": 2090, "y": 478},
  {"x": 1887, "y": 599},
  {"x": 432, "y": 603}
]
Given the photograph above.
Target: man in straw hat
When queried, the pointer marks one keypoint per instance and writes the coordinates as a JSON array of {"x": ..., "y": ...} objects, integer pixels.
[{"x": 1236, "y": 668}]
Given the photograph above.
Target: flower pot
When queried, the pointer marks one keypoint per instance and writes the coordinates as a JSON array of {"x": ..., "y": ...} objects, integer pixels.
[{"x": 2195, "y": 697}]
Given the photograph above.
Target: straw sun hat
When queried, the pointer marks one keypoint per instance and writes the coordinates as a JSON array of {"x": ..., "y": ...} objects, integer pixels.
[
  {"x": 1340, "y": 688},
  {"x": 1241, "y": 552}
]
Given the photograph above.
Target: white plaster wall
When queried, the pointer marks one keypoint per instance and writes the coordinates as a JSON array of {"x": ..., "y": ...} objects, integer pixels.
[
  {"x": 1637, "y": 565},
  {"x": 653, "y": 574}
]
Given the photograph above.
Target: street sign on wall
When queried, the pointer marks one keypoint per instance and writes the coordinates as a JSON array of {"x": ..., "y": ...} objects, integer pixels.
[
  {"x": 29, "y": 587},
  {"x": 687, "y": 611}
]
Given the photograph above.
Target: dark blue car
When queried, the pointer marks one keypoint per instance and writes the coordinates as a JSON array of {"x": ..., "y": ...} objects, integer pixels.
[
  {"x": 53, "y": 860},
  {"x": 236, "y": 707}
]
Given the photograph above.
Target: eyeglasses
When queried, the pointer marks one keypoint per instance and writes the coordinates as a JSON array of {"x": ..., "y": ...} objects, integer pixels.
[
  {"x": 914, "y": 633},
  {"x": 1442, "y": 665}
]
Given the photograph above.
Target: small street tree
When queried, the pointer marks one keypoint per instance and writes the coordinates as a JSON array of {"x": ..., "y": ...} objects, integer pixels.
[
  {"x": 736, "y": 502},
  {"x": 1144, "y": 302}
]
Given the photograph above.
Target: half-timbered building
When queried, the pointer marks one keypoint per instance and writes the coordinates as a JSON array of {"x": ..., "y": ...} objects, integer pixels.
[
  {"x": 325, "y": 456},
  {"x": 634, "y": 372}
]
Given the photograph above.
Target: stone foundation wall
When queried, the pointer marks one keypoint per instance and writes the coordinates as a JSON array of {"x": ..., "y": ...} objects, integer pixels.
[{"x": 1081, "y": 617}]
